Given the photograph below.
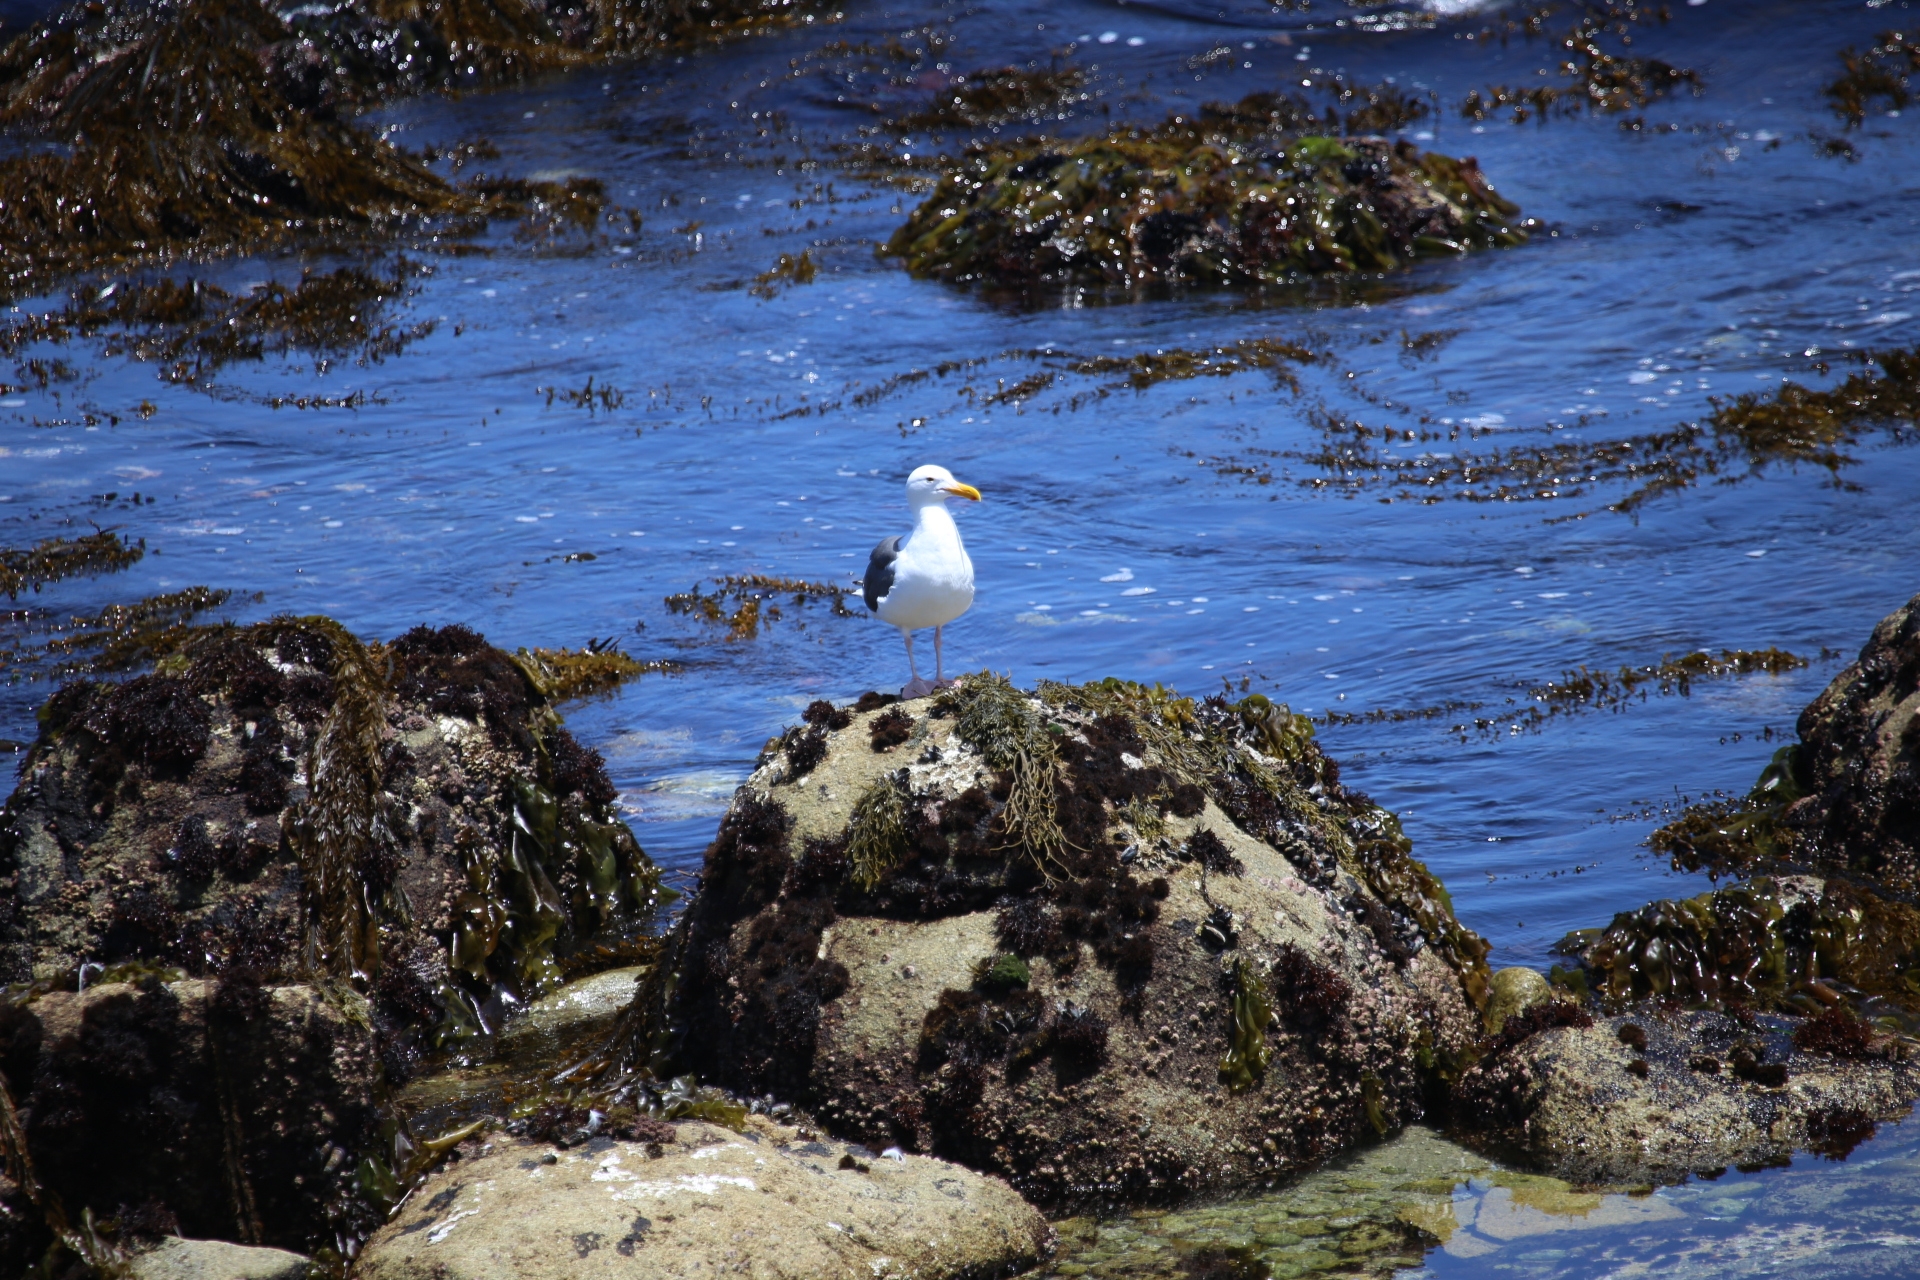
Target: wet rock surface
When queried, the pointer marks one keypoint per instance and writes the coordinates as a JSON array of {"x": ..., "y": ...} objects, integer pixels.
[
  {"x": 768, "y": 1201},
  {"x": 1662, "y": 1093},
  {"x": 1858, "y": 762},
  {"x": 1027, "y": 935}
]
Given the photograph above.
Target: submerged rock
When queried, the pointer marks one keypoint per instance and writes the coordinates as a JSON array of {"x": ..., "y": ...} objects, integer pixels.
[
  {"x": 1106, "y": 942},
  {"x": 1244, "y": 194},
  {"x": 772, "y": 1201},
  {"x": 1664, "y": 1092}
]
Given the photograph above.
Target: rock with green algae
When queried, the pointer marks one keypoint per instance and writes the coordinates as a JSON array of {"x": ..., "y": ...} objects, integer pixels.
[
  {"x": 770, "y": 1201},
  {"x": 1234, "y": 969},
  {"x": 282, "y": 799},
  {"x": 1373, "y": 1213},
  {"x": 1246, "y": 194}
]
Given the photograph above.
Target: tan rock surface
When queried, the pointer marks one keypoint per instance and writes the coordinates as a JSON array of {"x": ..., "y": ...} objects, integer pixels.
[
  {"x": 1568, "y": 1097},
  {"x": 764, "y": 1203},
  {"x": 178, "y": 1259}
]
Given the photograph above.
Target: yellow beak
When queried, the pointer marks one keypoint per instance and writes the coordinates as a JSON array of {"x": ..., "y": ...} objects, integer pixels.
[{"x": 959, "y": 490}]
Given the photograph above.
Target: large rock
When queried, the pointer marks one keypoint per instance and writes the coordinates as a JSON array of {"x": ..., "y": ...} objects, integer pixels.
[
  {"x": 218, "y": 1109},
  {"x": 1107, "y": 943},
  {"x": 1661, "y": 1093},
  {"x": 768, "y": 1202},
  {"x": 279, "y": 811},
  {"x": 280, "y": 799}
]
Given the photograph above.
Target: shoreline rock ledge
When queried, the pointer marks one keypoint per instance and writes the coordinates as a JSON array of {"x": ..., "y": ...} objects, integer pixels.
[{"x": 1110, "y": 944}]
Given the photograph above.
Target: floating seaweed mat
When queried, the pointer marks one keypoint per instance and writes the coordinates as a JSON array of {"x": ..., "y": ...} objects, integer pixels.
[
  {"x": 1232, "y": 196},
  {"x": 171, "y": 134}
]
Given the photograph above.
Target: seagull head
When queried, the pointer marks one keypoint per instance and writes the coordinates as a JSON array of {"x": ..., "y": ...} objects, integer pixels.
[{"x": 936, "y": 484}]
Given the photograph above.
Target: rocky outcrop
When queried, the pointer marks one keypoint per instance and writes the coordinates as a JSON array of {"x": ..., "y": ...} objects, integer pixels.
[
  {"x": 1105, "y": 942},
  {"x": 768, "y": 1201},
  {"x": 282, "y": 800},
  {"x": 1843, "y": 799},
  {"x": 223, "y": 1109},
  {"x": 247, "y": 894},
  {"x": 1660, "y": 1093},
  {"x": 1858, "y": 762}
]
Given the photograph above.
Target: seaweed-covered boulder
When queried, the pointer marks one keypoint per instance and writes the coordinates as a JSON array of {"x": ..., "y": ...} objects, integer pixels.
[
  {"x": 1793, "y": 944},
  {"x": 281, "y": 800},
  {"x": 1108, "y": 943},
  {"x": 214, "y": 1109},
  {"x": 1846, "y": 797},
  {"x": 1664, "y": 1092},
  {"x": 1244, "y": 194},
  {"x": 700, "y": 1200},
  {"x": 1858, "y": 762}
]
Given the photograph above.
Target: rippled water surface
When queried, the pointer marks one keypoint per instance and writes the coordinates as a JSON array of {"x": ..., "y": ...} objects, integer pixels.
[{"x": 1183, "y": 533}]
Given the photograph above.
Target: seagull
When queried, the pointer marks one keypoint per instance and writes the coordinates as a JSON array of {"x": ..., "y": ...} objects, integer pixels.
[{"x": 925, "y": 578}]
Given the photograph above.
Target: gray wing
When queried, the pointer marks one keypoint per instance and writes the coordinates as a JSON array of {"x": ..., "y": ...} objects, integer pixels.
[{"x": 879, "y": 579}]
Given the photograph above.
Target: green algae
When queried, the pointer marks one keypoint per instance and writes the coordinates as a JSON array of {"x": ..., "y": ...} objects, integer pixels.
[
  {"x": 122, "y": 637},
  {"x": 789, "y": 270},
  {"x": 1797, "y": 945},
  {"x": 1004, "y": 726},
  {"x": 251, "y": 146},
  {"x": 1879, "y": 74},
  {"x": 191, "y": 329},
  {"x": 1249, "y": 1053},
  {"x": 1232, "y": 195},
  {"x": 1745, "y": 437},
  {"x": 56, "y": 559}
]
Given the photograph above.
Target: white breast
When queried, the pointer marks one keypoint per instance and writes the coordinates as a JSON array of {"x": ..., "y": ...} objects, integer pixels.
[{"x": 932, "y": 578}]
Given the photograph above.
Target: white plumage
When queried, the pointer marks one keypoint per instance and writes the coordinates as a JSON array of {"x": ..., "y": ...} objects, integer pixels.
[{"x": 925, "y": 578}]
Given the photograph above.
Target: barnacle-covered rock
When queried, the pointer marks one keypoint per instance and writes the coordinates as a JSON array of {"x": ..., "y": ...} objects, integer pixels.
[
  {"x": 281, "y": 800},
  {"x": 1104, "y": 941},
  {"x": 280, "y": 808},
  {"x": 1244, "y": 194}
]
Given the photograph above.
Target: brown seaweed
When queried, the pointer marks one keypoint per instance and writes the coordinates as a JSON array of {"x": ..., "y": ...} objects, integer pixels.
[
  {"x": 55, "y": 559},
  {"x": 1880, "y": 74},
  {"x": 1610, "y": 689},
  {"x": 1601, "y": 80},
  {"x": 1232, "y": 195}
]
